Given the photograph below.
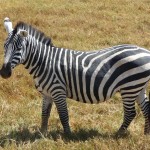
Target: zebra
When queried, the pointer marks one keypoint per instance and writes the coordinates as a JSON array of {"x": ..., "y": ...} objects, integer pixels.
[{"x": 88, "y": 77}]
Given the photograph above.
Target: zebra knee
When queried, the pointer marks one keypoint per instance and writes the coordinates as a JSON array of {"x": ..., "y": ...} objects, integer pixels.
[{"x": 130, "y": 112}]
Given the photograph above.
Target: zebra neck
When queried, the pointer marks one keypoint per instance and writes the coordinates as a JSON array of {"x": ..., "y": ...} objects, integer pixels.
[{"x": 38, "y": 57}]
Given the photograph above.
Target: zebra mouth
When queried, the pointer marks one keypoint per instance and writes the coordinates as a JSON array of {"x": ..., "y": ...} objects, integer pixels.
[{"x": 6, "y": 72}]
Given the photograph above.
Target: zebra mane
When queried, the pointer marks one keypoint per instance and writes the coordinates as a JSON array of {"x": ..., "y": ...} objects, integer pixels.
[{"x": 37, "y": 34}]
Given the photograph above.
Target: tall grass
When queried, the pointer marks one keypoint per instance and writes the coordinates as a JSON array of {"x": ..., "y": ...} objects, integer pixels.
[{"x": 83, "y": 25}]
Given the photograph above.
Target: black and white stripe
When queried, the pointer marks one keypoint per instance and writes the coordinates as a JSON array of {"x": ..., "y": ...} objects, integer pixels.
[{"x": 89, "y": 77}]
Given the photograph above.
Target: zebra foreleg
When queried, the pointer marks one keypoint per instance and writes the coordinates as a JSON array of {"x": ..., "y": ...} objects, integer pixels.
[
  {"x": 144, "y": 104},
  {"x": 63, "y": 114},
  {"x": 129, "y": 114},
  {"x": 46, "y": 109}
]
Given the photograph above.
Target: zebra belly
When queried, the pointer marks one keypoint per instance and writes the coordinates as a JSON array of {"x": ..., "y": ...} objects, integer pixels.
[
  {"x": 85, "y": 99},
  {"x": 94, "y": 101}
]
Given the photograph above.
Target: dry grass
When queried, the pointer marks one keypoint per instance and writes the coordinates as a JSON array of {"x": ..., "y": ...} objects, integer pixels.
[{"x": 80, "y": 24}]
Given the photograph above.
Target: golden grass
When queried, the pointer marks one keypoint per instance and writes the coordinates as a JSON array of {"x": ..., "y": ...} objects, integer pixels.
[{"x": 80, "y": 24}]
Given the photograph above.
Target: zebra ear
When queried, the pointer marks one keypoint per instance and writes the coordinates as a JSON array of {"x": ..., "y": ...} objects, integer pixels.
[
  {"x": 23, "y": 33},
  {"x": 8, "y": 25}
]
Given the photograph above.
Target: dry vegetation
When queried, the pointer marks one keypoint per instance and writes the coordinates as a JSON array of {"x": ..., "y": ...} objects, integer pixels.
[{"x": 80, "y": 24}]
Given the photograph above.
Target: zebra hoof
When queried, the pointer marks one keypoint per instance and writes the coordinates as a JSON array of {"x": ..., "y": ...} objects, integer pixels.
[
  {"x": 121, "y": 133},
  {"x": 43, "y": 132},
  {"x": 67, "y": 132}
]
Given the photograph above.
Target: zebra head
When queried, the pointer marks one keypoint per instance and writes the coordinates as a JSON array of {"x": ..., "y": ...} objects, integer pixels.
[{"x": 13, "y": 48}]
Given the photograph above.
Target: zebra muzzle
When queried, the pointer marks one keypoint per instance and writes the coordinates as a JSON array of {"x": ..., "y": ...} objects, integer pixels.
[{"x": 5, "y": 71}]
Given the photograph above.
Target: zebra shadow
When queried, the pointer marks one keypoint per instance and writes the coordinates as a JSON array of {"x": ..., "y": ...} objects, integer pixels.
[{"x": 25, "y": 135}]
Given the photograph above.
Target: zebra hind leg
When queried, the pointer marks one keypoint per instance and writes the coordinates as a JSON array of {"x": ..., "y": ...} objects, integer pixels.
[
  {"x": 46, "y": 109},
  {"x": 129, "y": 113},
  {"x": 144, "y": 104}
]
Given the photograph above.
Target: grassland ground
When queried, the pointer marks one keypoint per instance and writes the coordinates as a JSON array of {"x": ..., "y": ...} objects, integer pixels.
[{"x": 82, "y": 25}]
